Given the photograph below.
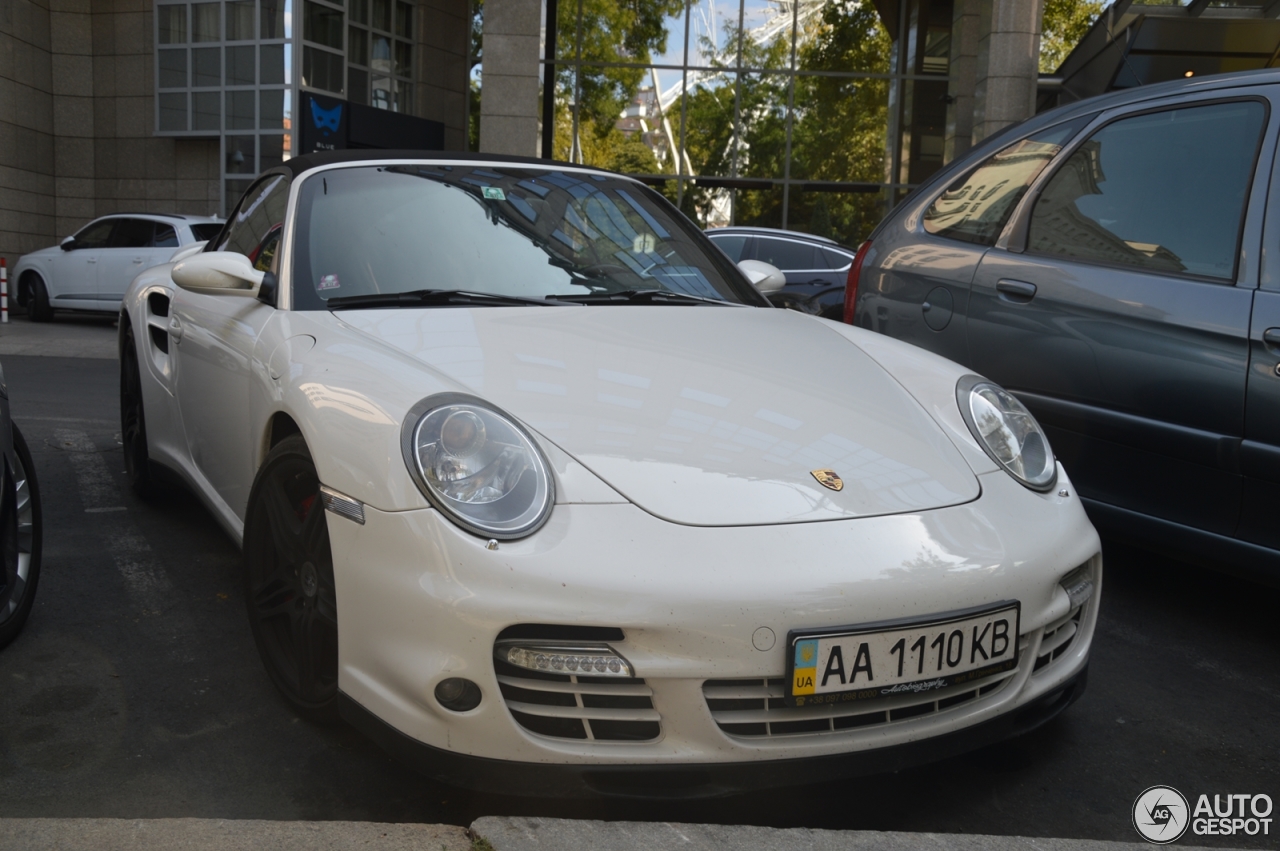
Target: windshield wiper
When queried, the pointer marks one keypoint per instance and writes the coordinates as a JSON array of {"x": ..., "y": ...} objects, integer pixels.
[
  {"x": 426, "y": 298},
  {"x": 637, "y": 297}
]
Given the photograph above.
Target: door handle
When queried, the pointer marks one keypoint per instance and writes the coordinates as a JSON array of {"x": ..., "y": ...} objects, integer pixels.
[
  {"x": 91, "y": 259},
  {"x": 1271, "y": 339},
  {"x": 175, "y": 328},
  {"x": 138, "y": 259},
  {"x": 1016, "y": 291}
]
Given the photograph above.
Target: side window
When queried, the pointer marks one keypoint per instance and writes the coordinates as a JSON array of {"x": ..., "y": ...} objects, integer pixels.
[
  {"x": 976, "y": 207},
  {"x": 255, "y": 226},
  {"x": 835, "y": 259},
  {"x": 203, "y": 232},
  {"x": 1164, "y": 191},
  {"x": 133, "y": 233},
  {"x": 166, "y": 236},
  {"x": 785, "y": 254},
  {"x": 731, "y": 245},
  {"x": 96, "y": 234}
]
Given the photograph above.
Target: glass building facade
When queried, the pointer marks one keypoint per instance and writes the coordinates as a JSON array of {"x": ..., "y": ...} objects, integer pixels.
[
  {"x": 234, "y": 69},
  {"x": 814, "y": 115}
]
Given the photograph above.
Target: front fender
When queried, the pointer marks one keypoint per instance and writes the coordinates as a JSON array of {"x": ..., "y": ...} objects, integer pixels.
[{"x": 349, "y": 394}]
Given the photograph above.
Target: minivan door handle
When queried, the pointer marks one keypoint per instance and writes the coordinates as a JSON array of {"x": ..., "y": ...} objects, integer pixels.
[
  {"x": 1271, "y": 339},
  {"x": 1019, "y": 292}
]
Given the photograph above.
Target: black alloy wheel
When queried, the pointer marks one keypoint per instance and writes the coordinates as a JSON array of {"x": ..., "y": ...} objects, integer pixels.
[
  {"x": 21, "y": 524},
  {"x": 133, "y": 420},
  {"x": 289, "y": 585},
  {"x": 38, "y": 309}
]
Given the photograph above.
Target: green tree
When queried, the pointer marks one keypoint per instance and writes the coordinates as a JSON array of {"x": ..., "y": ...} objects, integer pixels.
[
  {"x": 840, "y": 123},
  {"x": 632, "y": 156},
  {"x": 611, "y": 31},
  {"x": 1065, "y": 22}
]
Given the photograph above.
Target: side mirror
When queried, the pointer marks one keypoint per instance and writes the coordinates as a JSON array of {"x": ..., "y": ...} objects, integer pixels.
[
  {"x": 765, "y": 277},
  {"x": 218, "y": 273},
  {"x": 68, "y": 244}
]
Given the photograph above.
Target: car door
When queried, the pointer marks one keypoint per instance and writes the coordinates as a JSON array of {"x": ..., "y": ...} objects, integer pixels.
[
  {"x": 214, "y": 340},
  {"x": 1123, "y": 323},
  {"x": 915, "y": 282},
  {"x": 829, "y": 281},
  {"x": 74, "y": 281},
  {"x": 120, "y": 262},
  {"x": 1260, "y": 452}
]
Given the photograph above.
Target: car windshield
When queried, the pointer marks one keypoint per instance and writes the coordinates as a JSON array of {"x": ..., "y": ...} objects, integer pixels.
[{"x": 519, "y": 233}]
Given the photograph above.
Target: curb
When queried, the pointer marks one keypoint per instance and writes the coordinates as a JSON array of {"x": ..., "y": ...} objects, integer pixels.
[{"x": 542, "y": 834}]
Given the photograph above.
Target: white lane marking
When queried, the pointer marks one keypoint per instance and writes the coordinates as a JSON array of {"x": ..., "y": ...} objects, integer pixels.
[
  {"x": 72, "y": 420},
  {"x": 146, "y": 580}
]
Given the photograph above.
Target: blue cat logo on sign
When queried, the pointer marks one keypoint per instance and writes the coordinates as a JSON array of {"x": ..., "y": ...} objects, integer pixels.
[{"x": 326, "y": 120}]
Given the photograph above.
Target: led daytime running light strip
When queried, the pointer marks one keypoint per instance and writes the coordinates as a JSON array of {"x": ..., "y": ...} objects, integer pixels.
[{"x": 584, "y": 660}]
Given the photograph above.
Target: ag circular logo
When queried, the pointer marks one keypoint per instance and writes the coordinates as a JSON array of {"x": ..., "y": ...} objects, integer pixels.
[{"x": 1161, "y": 815}]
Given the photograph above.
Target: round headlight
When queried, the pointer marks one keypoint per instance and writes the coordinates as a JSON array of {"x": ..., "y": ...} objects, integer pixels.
[
  {"x": 1007, "y": 431},
  {"x": 477, "y": 465}
]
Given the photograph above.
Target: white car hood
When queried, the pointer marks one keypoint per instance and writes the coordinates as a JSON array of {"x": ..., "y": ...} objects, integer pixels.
[{"x": 705, "y": 416}]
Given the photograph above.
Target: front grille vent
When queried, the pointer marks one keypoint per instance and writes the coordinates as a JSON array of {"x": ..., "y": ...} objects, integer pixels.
[
  {"x": 755, "y": 708},
  {"x": 1058, "y": 637},
  {"x": 562, "y": 706}
]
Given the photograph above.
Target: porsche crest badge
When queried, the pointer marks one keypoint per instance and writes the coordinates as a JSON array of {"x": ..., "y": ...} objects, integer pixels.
[{"x": 828, "y": 479}]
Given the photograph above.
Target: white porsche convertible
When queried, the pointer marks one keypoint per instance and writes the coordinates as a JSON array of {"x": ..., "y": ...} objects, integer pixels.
[{"x": 535, "y": 489}]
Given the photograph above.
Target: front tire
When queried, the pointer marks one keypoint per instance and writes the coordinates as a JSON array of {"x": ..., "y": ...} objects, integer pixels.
[
  {"x": 133, "y": 420},
  {"x": 39, "y": 310},
  {"x": 289, "y": 584},
  {"x": 22, "y": 523}
]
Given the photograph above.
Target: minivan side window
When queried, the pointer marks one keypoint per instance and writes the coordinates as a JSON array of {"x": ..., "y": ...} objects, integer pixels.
[
  {"x": 976, "y": 207},
  {"x": 1163, "y": 191}
]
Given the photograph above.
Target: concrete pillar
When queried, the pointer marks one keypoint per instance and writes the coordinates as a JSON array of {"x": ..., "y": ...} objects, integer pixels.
[
  {"x": 440, "y": 90},
  {"x": 509, "y": 77},
  {"x": 965, "y": 21},
  {"x": 1007, "y": 65}
]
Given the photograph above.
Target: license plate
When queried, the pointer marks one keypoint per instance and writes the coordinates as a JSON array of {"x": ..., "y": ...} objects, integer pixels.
[{"x": 895, "y": 657}]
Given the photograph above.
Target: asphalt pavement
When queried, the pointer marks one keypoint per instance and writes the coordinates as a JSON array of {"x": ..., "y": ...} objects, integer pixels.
[{"x": 134, "y": 709}]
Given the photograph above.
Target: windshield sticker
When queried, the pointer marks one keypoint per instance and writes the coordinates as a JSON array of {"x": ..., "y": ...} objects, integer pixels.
[
  {"x": 329, "y": 282},
  {"x": 495, "y": 193},
  {"x": 643, "y": 243}
]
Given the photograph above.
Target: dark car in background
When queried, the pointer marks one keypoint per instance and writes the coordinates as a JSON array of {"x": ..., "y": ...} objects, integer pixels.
[
  {"x": 816, "y": 268},
  {"x": 20, "y": 526},
  {"x": 1116, "y": 264}
]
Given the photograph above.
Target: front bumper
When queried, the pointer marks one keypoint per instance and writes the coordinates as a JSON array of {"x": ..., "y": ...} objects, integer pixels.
[
  {"x": 705, "y": 780},
  {"x": 421, "y": 601}
]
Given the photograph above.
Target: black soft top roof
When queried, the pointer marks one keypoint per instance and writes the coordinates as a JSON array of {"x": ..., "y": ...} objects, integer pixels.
[{"x": 306, "y": 162}]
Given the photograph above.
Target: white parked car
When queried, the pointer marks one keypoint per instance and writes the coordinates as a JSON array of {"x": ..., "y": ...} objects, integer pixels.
[
  {"x": 529, "y": 493},
  {"x": 90, "y": 270}
]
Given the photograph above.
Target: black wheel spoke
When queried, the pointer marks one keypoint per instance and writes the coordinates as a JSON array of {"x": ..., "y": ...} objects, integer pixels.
[
  {"x": 274, "y": 598},
  {"x": 308, "y": 652},
  {"x": 315, "y": 533},
  {"x": 283, "y": 522}
]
